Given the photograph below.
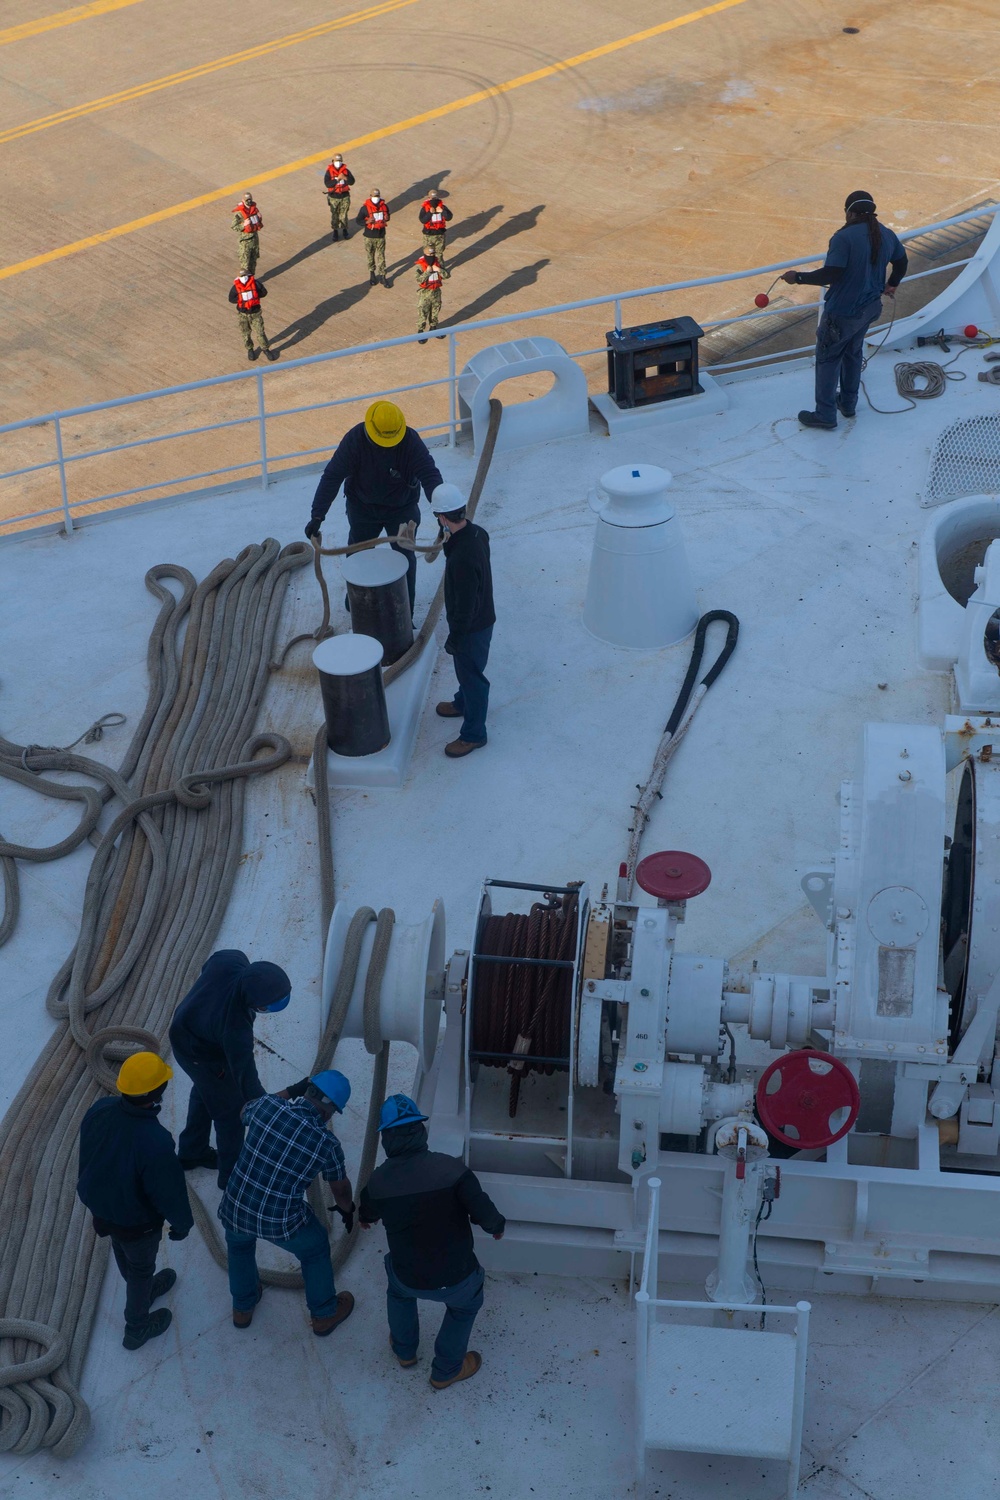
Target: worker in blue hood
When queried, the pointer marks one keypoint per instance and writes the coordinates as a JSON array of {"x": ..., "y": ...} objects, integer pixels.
[{"x": 212, "y": 1039}]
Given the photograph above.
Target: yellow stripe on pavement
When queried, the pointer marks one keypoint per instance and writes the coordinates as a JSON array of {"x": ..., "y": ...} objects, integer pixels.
[
  {"x": 201, "y": 70},
  {"x": 251, "y": 179},
  {"x": 62, "y": 18}
]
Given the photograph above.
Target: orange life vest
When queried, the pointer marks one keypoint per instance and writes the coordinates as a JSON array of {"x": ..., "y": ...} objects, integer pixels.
[
  {"x": 437, "y": 223},
  {"x": 247, "y": 295},
  {"x": 340, "y": 184},
  {"x": 377, "y": 215},
  {"x": 431, "y": 278},
  {"x": 252, "y": 220}
]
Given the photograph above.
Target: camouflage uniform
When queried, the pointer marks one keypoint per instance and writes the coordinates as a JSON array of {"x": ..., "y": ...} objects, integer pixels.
[
  {"x": 435, "y": 242},
  {"x": 375, "y": 251},
  {"x": 340, "y": 207},
  {"x": 428, "y": 301},
  {"x": 249, "y": 244},
  {"x": 252, "y": 324}
]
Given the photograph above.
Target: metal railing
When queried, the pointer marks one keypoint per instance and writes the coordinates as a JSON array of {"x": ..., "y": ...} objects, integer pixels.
[{"x": 266, "y": 462}]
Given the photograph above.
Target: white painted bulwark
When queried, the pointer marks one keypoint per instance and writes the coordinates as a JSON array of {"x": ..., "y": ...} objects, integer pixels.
[{"x": 640, "y": 592}]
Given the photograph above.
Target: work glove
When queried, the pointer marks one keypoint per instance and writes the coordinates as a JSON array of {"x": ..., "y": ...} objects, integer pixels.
[
  {"x": 347, "y": 1214},
  {"x": 178, "y": 1234},
  {"x": 449, "y": 646},
  {"x": 313, "y": 529}
]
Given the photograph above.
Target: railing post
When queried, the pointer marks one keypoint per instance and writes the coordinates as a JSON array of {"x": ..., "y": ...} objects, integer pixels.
[
  {"x": 67, "y": 518},
  {"x": 262, "y": 424},
  {"x": 452, "y": 394},
  {"x": 618, "y": 312}
]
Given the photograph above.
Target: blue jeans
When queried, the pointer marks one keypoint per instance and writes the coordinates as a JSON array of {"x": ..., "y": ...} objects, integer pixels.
[
  {"x": 839, "y": 357},
  {"x": 312, "y": 1249},
  {"x": 470, "y": 653},
  {"x": 461, "y": 1303}
]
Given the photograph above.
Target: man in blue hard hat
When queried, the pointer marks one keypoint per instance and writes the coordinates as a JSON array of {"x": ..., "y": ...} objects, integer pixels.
[
  {"x": 288, "y": 1144},
  {"x": 212, "y": 1039},
  {"x": 428, "y": 1203}
]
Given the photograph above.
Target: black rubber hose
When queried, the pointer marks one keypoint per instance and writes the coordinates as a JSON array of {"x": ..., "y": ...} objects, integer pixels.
[{"x": 694, "y": 665}]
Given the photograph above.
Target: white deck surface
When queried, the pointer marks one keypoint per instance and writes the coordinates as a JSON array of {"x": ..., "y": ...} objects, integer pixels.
[{"x": 811, "y": 538}]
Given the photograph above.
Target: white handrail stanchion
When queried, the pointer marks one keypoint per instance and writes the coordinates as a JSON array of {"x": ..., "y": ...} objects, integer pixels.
[
  {"x": 801, "y": 1350},
  {"x": 452, "y": 393},
  {"x": 68, "y": 519},
  {"x": 262, "y": 421},
  {"x": 641, "y": 1358}
]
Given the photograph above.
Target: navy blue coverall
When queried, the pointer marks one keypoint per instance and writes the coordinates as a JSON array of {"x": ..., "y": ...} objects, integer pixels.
[{"x": 212, "y": 1039}]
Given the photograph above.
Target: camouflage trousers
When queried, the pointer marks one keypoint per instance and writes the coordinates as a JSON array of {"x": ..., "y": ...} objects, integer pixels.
[
  {"x": 249, "y": 251},
  {"x": 435, "y": 242},
  {"x": 252, "y": 323},
  {"x": 340, "y": 204},
  {"x": 428, "y": 309},
  {"x": 375, "y": 251}
]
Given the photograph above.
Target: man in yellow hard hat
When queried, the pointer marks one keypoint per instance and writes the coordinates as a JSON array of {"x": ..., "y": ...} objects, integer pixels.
[
  {"x": 383, "y": 465},
  {"x": 132, "y": 1183}
]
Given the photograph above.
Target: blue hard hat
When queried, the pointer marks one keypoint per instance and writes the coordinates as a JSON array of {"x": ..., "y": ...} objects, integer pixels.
[
  {"x": 270, "y": 1010},
  {"x": 334, "y": 1086},
  {"x": 398, "y": 1109}
]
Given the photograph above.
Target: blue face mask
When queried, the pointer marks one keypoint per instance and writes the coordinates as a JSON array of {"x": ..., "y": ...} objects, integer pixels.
[{"x": 270, "y": 1010}]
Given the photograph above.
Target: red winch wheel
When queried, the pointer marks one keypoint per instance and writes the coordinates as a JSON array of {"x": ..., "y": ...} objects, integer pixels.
[{"x": 808, "y": 1099}]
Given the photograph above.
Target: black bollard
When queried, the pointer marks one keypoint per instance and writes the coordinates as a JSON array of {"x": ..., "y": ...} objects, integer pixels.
[
  {"x": 380, "y": 603},
  {"x": 350, "y": 678}
]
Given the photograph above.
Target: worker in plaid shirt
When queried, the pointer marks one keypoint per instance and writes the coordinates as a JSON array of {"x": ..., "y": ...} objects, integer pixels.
[{"x": 288, "y": 1144}]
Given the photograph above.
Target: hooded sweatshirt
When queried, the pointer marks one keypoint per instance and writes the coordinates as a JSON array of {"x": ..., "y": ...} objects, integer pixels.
[
  {"x": 213, "y": 1025},
  {"x": 129, "y": 1175},
  {"x": 426, "y": 1201}
]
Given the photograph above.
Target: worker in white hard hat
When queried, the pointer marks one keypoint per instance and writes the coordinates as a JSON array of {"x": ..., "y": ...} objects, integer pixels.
[
  {"x": 468, "y": 604},
  {"x": 383, "y": 464}
]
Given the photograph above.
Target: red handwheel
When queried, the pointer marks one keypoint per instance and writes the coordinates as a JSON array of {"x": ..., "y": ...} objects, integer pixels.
[{"x": 808, "y": 1099}]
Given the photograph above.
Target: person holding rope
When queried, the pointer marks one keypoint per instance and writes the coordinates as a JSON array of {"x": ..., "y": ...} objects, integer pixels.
[
  {"x": 212, "y": 1039},
  {"x": 382, "y": 465},
  {"x": 468, "y": 605},
  {"x": 132, "y": 1183},
  {"x": 854, "y": 275}
]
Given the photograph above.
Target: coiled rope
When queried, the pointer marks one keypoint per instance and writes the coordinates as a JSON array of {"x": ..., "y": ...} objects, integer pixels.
[{"x": 158, "y": 887}]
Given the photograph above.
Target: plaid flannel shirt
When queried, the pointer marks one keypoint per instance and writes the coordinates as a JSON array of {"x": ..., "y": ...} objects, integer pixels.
[{"x": 286, "y": 1146}]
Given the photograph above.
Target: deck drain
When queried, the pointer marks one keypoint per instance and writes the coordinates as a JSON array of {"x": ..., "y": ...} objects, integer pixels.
[{"x": 851, "y": 30}]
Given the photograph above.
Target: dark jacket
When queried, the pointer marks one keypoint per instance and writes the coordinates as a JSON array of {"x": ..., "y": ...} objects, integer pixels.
[
  {"x": 389, "y": 478},
  {"x": 328, "y": 180},
  {"x": 468, "y": 582},
  {"x": 261, "y": 292},
  {"x": 426, "y": 1200},
  {"x": 425, "y": 214},
  {"x": 130, "y": 1177},
  {"x": 214, "y": 1022}
]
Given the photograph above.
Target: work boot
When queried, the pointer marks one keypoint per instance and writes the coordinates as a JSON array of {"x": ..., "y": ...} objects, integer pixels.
[
  {"x": 844, "y": 410},
  {"x": 322, "y": 1327},
  {"x": 162, "y": 1282},
  {"x": 471, "y": 1365},
  {"x": 156, "y": 1324},
  {"x": 242, "y": 1318},
  {"x": 334, "y": 236},
  {"x": 421, "y": 341},
  {"x": 448, "y": 711},
  {"x": 343, "y": 234},
  {"x": 458, "y": 748},
  {"x": 208, "y": 1158},
  {"x": 373, "y": 279},
  {"x": 813, "y": 419},
  {"x": 271, "y": 354},
  {"x": 252, "y": 354},
  {"x": 386, "y": 284},
  {"x": 405, "y": 1364}
]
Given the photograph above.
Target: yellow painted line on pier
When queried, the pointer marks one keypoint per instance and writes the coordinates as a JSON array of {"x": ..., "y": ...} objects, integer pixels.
[{"x": 61, "y": 18}]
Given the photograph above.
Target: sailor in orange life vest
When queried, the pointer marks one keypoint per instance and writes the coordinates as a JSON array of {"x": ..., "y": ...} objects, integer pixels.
[
  {"x": 245, "y": 293},
  {"x": 429, "y": 276},
  {"x": 247, "y": 223},
  {"x": 374, "y": 216},
  {"x": 435, "y": 218},
  {"x": 337, "y": 184}
]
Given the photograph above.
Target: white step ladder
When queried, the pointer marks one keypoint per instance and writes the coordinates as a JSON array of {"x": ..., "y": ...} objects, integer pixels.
[{"x": 702, "y": 1389}]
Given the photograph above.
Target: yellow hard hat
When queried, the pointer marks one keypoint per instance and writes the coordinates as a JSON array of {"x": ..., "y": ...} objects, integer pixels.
[
  {"x": 142, "y": 1073},
  {"x": 385, "y": 424}
]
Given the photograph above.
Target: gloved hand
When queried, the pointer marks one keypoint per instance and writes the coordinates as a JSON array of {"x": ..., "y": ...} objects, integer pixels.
[
  {"x": 498, "y": 1236},
  {"x": 449, "y": 646},
  {"x": 347, "y": 1214},
  {"x": 312, "y": 529},
  {"x": 178, "y": 1234}
]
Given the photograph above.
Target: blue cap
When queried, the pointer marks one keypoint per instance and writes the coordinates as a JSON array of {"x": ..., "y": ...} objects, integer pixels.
[
  {"x": 270, "y": 1010},
  {"x": 398, "y": 1109},
  {"x": 334, "y": 1086}
]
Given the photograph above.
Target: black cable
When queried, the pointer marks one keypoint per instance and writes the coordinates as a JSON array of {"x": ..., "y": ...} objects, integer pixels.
[
  {"x": 761, "y": 1215},
  {"x": 731, "y": 1070},
  {"x": 694, "y": 665}
]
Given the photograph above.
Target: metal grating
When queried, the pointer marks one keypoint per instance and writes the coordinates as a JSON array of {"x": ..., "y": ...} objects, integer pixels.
[{"x": 965, "y": 461}]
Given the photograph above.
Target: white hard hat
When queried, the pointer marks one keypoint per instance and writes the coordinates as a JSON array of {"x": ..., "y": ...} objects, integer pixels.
[{"x": 446, "y": 498}]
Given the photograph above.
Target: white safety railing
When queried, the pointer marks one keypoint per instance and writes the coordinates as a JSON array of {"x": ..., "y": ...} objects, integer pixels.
[
  {"x": 695, "y": 1433},
  {"x": 265, "y": 462}
]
